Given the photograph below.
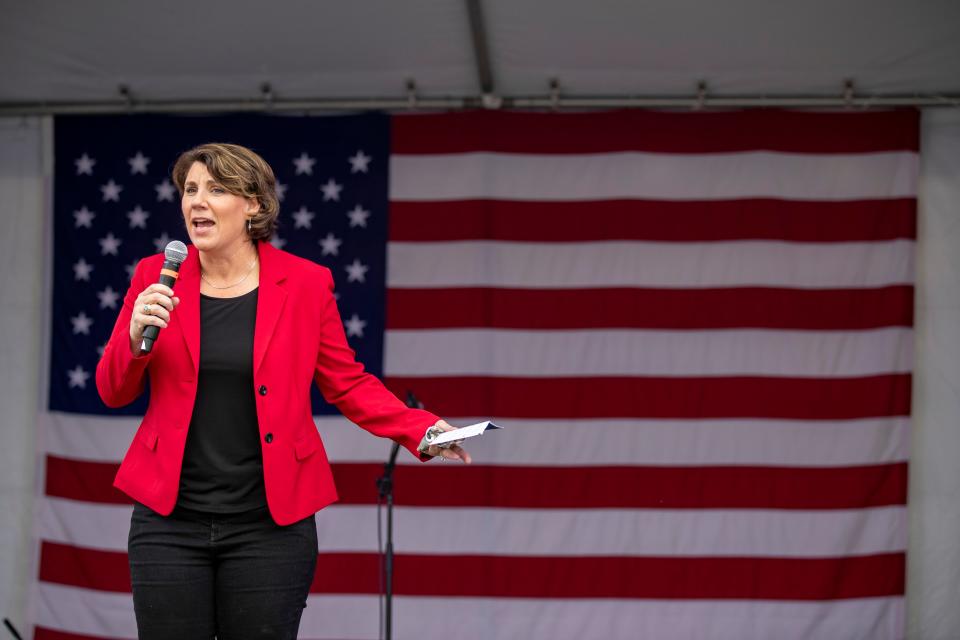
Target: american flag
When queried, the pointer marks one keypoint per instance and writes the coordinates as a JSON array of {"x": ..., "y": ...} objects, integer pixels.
[{"x": 697, "y": 328}]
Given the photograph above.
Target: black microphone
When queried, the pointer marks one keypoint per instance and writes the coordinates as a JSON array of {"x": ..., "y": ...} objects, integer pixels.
[
  {"x": 173, "y": 257},
  {"x": 412, "y": 401}
]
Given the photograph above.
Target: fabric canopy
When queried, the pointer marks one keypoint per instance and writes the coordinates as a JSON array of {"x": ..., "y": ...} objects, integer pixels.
[{"x": 61, "y": 51}]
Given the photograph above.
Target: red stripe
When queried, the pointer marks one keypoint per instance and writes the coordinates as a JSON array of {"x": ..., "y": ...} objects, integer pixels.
[
  {"x": 621, "y": 397},
  {"x": 624, "y": 577},
  {"x": 734, "y": 487},
  {"x": 43, "y": 633},
  {"x": 550, "y": 577},
  {"x": 83, "y": 567},
  {"x": 620, "y": 577},
  {"x": 748, "y": 307},
  {"x": 854, "y": 221},
  {"x": 664, "y": 132},
  {"x": 83, "y": 480}
]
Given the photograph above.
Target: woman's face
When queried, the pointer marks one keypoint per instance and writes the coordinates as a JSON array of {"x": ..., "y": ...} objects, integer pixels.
[{"x": 216, "y": 220}]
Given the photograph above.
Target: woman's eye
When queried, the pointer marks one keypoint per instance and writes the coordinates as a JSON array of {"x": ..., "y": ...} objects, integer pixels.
[{"x": 189, "y": 190}]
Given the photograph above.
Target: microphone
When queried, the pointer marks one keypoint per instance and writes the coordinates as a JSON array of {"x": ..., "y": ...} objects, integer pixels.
[
  {"x": 412, "y": 401},
  {"x": 173, "y": 257}
]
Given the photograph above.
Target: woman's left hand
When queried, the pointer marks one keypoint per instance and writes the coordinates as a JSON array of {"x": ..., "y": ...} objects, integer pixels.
[{"x": 456, "y": 452}]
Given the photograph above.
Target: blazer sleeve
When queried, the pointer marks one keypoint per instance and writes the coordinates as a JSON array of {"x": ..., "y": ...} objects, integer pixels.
[
  {"x": 120, "y": 376},
  {"x": 359, "y": 395}
]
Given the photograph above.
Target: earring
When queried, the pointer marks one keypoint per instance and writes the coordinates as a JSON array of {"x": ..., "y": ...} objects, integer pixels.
[{"x": 249, "y": 224}]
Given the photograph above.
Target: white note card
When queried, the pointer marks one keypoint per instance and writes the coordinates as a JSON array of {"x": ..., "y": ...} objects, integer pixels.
[{"x": 464, "y": 432}]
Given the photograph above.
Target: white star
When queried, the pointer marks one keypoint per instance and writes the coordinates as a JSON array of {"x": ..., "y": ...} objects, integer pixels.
[
  {"x": 281, "y": 191},
  {"x": 85, "y": 165},
  {"x": 83, "y": 217},
  {"x": 111, "y": 191},
  {"x": 355, "y": 326},
  {"x": 78, "y": 377},
  {"x": 161, "y": 242},
  {"x": 331, "y": 190},
  {"x": 302, "y": 218},
  {"x": 358, "y": 216},
  {"x": 81, "y": 323},
  {"x": 356, "y": 272},
  {"x": 108, "y": 298},
  {"x": 304, "y": 164},
  {"x": 330, "y": 245},
  {"x": 81, "y": 270},
  {"x": 109, "y": 244},
  {"x": 359, "y": 162},
  {"x": 101, "y": 349},
  {"x": 138, "y": 217},
  {"x": 130, "y": 269},
  {"x": 278, "y": 242},
  {"x": 138, "y": 163},
  {"x": 165, "y": 191}
]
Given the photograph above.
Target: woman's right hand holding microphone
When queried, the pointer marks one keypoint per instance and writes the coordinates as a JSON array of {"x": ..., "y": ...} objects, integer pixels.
[{"x": 152, "y": 307}]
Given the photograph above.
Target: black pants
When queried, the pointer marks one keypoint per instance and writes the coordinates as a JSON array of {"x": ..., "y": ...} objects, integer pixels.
[{"x": 199, "y": 575}]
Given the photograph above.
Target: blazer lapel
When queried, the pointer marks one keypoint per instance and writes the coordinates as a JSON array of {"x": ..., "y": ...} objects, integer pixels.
[
  {"x": 270, "y": 301},
  {"x": 187, "y": 313}
]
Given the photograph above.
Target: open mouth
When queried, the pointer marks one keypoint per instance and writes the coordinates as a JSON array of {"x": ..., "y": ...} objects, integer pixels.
[{"x": 202, "y": 223}]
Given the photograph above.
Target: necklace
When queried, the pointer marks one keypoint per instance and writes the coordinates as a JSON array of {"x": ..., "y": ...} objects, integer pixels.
[{"x": 230, "y": 286}]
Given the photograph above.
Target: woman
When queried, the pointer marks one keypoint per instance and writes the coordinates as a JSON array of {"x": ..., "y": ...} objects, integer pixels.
[{"x": 227, "y": 468}]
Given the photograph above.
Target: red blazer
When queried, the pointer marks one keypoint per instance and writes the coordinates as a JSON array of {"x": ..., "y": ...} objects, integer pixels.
[{"x": 298, "y": 337}]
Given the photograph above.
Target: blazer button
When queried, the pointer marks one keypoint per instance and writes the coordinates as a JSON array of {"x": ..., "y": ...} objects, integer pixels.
[
  {"x": 262, "y": 390},
  {"x": 268, "y": 438}
]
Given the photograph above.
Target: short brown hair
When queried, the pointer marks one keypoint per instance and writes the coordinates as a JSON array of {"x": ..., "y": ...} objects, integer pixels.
[{"x": 240, "y": 171}]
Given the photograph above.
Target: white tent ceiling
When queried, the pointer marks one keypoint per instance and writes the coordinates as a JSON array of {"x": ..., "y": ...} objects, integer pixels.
[{"x": 67, "y": 51}]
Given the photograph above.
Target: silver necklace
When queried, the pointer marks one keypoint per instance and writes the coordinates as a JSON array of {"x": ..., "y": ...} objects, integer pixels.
[{"x": 230, "y": 286}]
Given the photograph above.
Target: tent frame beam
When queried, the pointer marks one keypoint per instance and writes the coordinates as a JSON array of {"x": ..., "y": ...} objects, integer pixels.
[
  {"x": 481, "y": 51},
  {"x": 447, "y": 103}
]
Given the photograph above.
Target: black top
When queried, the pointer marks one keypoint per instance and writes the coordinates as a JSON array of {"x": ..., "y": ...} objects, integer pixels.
[{"x": 223, "y": 464}]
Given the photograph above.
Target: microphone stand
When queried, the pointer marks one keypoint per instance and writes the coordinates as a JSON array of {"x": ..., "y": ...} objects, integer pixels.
[
  {"x": 11, "y": 629},
  {"x": 385, "y": 492}
]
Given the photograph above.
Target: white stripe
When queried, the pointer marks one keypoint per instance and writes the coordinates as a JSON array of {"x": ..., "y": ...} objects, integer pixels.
[
  {"x": 624, "y": 442},
  {"x": 84, "y": 611},
  {"x": 656, "y": 176},
  {"x": 621, "y": 532},
  {"x": 82, "y": 524},
  {"x": 76, "y": 610},
  {"x": 688, "y": 265},
  {"x": 537, "y": 619},
  {"x": 549, "y": 532},
  {"x": 816, "y": 443},
  {"x": 627, "y": 352},
  {"x": 87, "y": 437}
]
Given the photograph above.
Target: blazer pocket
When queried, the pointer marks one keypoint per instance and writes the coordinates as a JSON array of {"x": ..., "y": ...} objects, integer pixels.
[
  {"x": 147, "y": 437},
  {"x": 307, "y": 445}
]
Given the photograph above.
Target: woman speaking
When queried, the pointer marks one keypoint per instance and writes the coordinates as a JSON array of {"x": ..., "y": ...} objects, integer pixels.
[{"x": 227, "y": 468}]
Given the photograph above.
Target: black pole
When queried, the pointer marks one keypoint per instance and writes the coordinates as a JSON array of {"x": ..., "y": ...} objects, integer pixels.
[
  {"x": 11, "y": 629},
  {"x": 385, "y": 488}
]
